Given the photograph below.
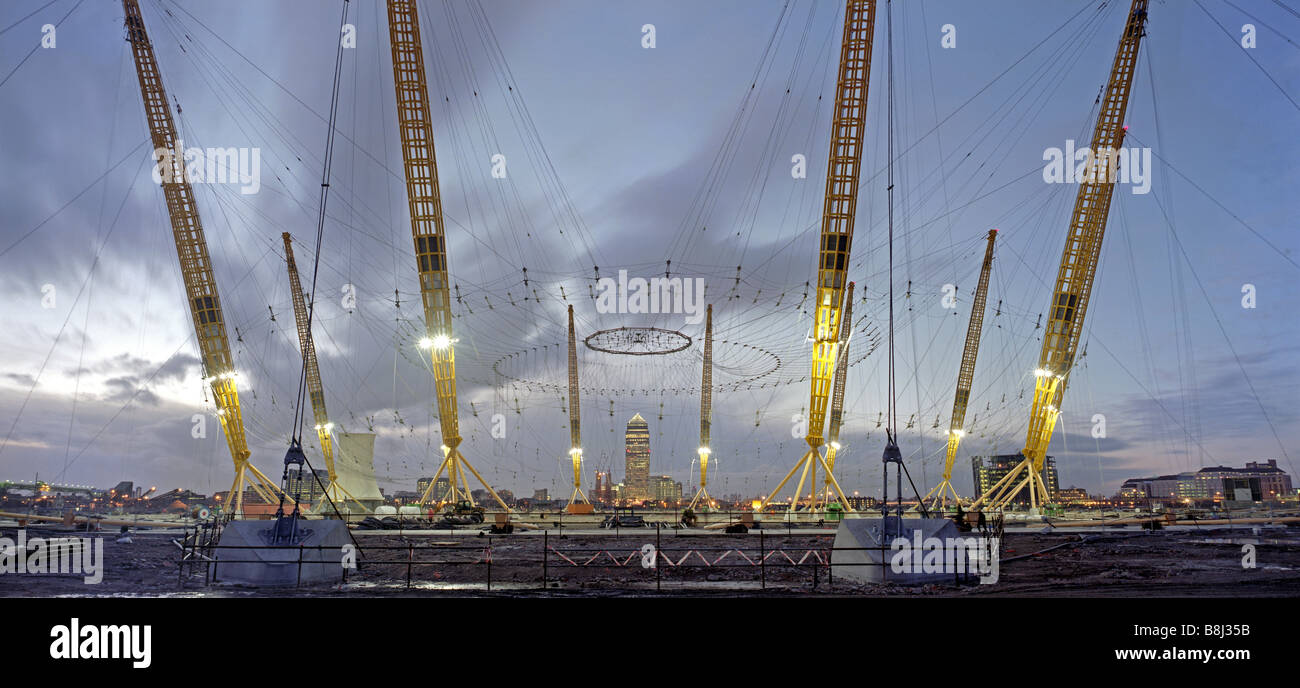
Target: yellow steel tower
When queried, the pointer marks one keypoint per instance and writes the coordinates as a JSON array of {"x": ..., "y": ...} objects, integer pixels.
[
  {"x": 315, "y": 389},
  {"x": 845, "y": 162},
  {"x": 837, "y": 397},
  {"x": 196, "y": 266},
  {"x": 702, "y": 497},
  {"x": 422, "y": 193},
  {"x": 1074, "y": 278},
  {"x": 938, "y": 497},
  {"x": 575, "y": 429}
]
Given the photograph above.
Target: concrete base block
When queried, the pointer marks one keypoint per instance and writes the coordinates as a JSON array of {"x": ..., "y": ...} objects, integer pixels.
[
  {"x": 874, "y": 565},
  {"x": 244, "y": 556}
]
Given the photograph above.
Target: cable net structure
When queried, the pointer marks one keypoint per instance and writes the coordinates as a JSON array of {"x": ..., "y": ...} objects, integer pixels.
[{"x": 502, "y": 248}]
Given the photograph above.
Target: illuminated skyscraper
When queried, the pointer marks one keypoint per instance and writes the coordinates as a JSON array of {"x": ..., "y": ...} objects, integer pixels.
[
  {"x": 988, "y": 470},
  {"x": 602, "y": 491},
  {"x": 665, "y": 489},
  {"x": 637, "y": 448}
]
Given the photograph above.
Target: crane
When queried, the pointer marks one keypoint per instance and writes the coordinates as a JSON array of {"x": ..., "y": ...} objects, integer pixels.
[
  {"x": 706, "y": 413},
  {"x": 938, "y": 496},
  {"x": 315, "y": 389},
  {"x": 845, "y": 163},
  {"x": 575, "y": 428},
  {"x": 837, "y": 395},
  {"x": 1074, "y": 278},
  {"x": 196, "y": 265},
  {"x": 421, "y": 166}
]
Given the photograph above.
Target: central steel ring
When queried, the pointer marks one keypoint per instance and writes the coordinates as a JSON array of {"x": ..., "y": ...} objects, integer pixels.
[{"x": 637, "y": 341}]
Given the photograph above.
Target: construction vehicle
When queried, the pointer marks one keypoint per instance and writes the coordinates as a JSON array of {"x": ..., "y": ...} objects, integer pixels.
[
  {"x": 465, "y": 509},
  {"x": 623, "y": 517}
]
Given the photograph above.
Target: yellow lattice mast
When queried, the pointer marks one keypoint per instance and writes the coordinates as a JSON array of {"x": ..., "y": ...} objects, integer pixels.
[
  {"x": 575, "y": 427},
  {"x": 421, "y": 166},
  {"x": 702, "y": 497},
  {"x": 837, "y": 397},
  {"x": 315, "y": 390},
  {"x": 1074, "y": 278},
  {"x": 845, "y": 162},
  {"x": 196, "y": 265},
  {"x": 939, "y": 495}
]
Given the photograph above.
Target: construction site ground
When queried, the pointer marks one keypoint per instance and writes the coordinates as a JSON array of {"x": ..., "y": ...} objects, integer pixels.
[{"x": 1203, "y": 562}]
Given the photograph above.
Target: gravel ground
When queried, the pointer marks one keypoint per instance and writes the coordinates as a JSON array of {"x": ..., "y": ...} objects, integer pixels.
[{"x": 1185, "y": 564}]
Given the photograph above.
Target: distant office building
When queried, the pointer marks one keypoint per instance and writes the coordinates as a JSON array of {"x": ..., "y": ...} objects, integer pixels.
[
  {"x": 305, "y": 486},
  {"x": 665, "y": 489},
  {"x": 602, "y": 492},
  {"x": 1273, "y": 481},
  {"x": 988, "y": 470},
  {"x": 440, "y": 487},
  {"x": 1050, "y": 478},
  {"x": 542, "y": 495},
  {"x": 637, "y": 449},
  {"x": 1242, "y": 491},
  {"x": 1071, "y": 495},
  {"x": 406, "y": 497},
  {"x": 1132, "y": 492},
  {"x": 859, "y": 503},
  {"x": 506, "y": 496},
  {"x": 1255, "y": 483}
]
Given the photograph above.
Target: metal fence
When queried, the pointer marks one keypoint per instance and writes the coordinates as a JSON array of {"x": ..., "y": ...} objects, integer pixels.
[{"x": 486, "y": 561}]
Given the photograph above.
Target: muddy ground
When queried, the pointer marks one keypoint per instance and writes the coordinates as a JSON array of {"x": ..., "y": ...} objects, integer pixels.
[{"x": 1123, "y": 564}]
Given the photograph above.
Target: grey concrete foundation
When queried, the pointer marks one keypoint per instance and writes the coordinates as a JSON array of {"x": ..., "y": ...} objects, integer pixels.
[
  {"x": 875, "y": 565},
  {"x": 244, "y": 555}
]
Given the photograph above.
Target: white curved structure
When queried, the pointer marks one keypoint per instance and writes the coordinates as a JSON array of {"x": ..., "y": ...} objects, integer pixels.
[{"x": 354, "y": 466}]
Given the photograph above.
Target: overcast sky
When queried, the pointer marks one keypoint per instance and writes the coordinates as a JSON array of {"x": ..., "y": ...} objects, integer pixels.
[{"x": 624, "y": 157}]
